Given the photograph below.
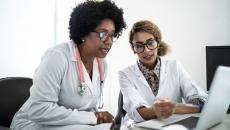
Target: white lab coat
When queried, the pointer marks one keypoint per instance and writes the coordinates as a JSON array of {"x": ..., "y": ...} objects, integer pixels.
[
  {"x": 175, "y": 84},
  {"x": 55, "y": 102}
]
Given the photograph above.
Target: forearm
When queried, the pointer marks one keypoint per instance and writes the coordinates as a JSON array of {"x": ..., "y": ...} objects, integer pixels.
[
  {"x": 186, "y": 109},
  {"x": 147, "y": 113},
  {"x": 52, "y": 114}
]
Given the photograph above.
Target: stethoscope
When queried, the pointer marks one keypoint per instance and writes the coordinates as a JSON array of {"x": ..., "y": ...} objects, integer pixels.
[{"x": 83, "y": 85}]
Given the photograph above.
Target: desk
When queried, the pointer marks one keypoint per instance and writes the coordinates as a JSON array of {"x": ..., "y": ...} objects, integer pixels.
[
  {"x": 225, "y": 125},
  {"x": 4, "y": 128}
]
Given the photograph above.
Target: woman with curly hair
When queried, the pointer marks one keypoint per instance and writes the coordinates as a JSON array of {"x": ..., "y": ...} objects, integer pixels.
[
  {"x": 67, "y": 86},
  {"x": 153, "y": 87}
]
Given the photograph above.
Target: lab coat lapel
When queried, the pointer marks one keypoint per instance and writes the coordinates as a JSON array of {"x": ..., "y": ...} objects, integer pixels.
[
  {"x": 163, "y": 73},
  {"x": 141, "y": 78},
  {"x": 95, "y": 75},
  {"x": 88, "y": 80}
]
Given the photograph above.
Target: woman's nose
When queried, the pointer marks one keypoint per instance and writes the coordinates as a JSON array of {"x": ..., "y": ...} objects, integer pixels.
[
  {"x": 108, "y": 40},
  {"x": 146, "y": 49}
]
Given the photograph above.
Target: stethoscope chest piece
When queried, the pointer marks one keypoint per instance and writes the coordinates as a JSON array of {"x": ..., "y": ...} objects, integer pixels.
[{"x": 83, "y": 88}]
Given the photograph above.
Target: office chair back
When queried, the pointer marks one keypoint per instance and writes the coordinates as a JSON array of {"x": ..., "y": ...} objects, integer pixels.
[
  {"x": 120, "y": 112},
  {"x": 14, "y": 91}
]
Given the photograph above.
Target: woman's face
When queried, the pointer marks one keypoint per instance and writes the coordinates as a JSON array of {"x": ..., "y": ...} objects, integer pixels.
[
  {"x": 147, "y": 54},
  {"x": 99, "y": 42}
]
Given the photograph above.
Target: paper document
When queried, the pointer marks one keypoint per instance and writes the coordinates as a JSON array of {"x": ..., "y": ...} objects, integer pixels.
[
  {"x": 158, "y": 124},
  {"x": 103, "y": 126}
]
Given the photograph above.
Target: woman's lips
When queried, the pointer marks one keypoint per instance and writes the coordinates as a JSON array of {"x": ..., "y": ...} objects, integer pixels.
[
  {"x": 148, "y": 57},
  {"x": 105, "y": 50}
]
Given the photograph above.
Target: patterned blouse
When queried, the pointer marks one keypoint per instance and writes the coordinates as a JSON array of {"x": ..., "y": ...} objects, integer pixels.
[{"x": 153, "y": 77}]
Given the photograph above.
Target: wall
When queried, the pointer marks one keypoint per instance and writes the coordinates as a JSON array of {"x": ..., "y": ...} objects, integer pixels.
[{"x": 26, "y": 31}]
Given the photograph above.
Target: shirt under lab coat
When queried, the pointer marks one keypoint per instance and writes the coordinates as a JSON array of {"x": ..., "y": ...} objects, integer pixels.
[
  {"x": 55, "y": 102},
  {"x": 175, "y": 84}
]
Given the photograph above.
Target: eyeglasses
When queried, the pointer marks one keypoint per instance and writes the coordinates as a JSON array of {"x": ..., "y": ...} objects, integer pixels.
[
  {"x": 104, "y": 35},
  {"x": 139, "y": 47}
]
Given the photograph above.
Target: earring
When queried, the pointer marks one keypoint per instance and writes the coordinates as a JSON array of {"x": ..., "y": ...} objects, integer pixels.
[{"x": 83, "y": 40}]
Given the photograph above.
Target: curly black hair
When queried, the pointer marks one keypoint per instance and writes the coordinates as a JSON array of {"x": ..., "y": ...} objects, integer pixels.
[{"x": 86, "y": 16}]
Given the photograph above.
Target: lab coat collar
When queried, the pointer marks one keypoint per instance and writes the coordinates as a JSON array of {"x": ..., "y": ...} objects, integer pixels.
[
  {"x": 72, "y": 49},
  {"x": 163, "y": 73},
  {"x": 93, "y": 84},
  {"x": 141, "y": 77},
  {"x": 163, "y": 70}
]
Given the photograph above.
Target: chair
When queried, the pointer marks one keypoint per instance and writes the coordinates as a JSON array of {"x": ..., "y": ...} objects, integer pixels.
[
  {"x": 14, "y": 91},
  {"x": 120, "y": 112}
]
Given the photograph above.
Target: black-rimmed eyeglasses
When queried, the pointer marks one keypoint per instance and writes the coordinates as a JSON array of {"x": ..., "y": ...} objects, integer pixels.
[
  {"x": 139, "y": 47},
  {"x": 104, "y": 35}
]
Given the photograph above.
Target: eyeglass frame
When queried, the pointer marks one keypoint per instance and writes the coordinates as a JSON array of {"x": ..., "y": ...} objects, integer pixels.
[
  {"x": 107, "y": 35},
  {"x": 145, "y": 44}
]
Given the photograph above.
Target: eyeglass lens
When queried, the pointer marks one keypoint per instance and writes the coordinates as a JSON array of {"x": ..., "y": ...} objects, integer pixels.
[
  {"x": 139, "y": 47},
  {"x": 104, "y": 35}
]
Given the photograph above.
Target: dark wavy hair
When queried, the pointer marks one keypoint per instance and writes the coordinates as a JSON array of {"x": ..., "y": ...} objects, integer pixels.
[{"x": 86, "y": 16}]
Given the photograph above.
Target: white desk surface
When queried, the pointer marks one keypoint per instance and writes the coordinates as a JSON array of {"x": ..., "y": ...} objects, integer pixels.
[{"x": 225, "y": 125}]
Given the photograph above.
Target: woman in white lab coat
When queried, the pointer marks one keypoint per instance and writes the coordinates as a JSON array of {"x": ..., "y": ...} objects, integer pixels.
[
  {"x": 154, "y": 86},
  {"x": 67, "y": 85}
]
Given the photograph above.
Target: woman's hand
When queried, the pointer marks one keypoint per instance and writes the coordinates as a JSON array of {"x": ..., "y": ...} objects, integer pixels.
[
  {"x": 163, "y": 108},
  {"x": 105, "y": 117}
]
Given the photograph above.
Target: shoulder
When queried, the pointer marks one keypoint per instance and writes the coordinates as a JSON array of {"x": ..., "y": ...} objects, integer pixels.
[
  {"x": 173, "y": 66},
  {"x": 131, "y": 69},
  {"x": 60, "y": 48},
  {"x": 61, "y": 52},
  {"x": 171, "y": 63},
  {"x": 58, "y": 56}
]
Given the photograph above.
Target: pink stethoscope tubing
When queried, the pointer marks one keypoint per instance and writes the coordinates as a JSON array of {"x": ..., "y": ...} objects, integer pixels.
[{"x": 83, "y": 85}]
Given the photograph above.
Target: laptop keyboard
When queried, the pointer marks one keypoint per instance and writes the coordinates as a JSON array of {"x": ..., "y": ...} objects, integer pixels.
[{"x": 189, "y": 122}]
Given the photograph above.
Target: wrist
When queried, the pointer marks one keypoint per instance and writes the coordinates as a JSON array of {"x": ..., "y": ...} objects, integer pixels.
[
  {"x": 186, "y": 109},
  {"x": 146, "y": 113},
  {"x": 154, "y": 116}
]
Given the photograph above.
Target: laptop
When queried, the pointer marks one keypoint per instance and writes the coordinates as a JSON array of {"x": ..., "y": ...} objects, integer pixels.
[{"x": 214, "y": 110}]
